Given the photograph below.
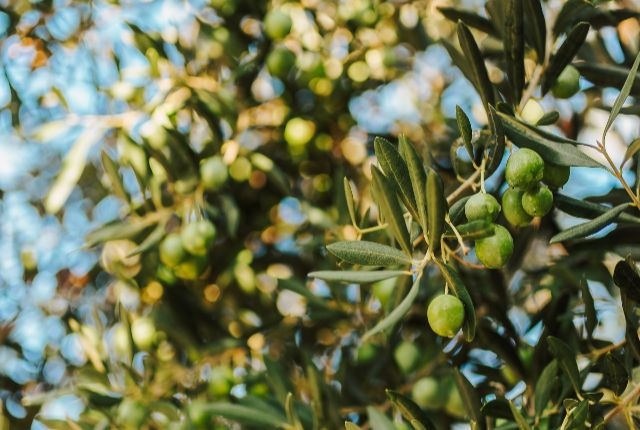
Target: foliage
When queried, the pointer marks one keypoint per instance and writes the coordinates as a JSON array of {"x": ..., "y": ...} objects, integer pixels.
[{"x": 245, "y": 176}]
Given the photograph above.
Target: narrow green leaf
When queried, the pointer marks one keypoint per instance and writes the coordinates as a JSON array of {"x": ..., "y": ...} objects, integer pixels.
[
  {"x": 456, "y": 211},
  {"x": 562, "y": 154},
  {"x": 396, "y": 314},
  {"x": 470, "y": 397},
  {"x": 395, "y": 168},
  {"x": 517, "y": 415},
  {"x": 615, "y": 373},
  {"x": 535, "y": 27},
  {"x": 464, "y": 125},
  {"x": 460, "y": 291},
  {"x": 292, "y": 416},
  {"x": 459, "y": 60},
  {"x": 589, "y": 227},
  {"x": 246, "y": 415},
  {"x": 351, "y": 206},
  {"x": 410, "y": 411},
  {"x": 545, "y": 384},
  {"x": 549, "y": 118},
  {"x": 436, "y": 210},
  {"x": 574, "y": 11},
  {"x": 360, "y": 277},
  {"x": 587, "y": 209},
  {"x": 578, "y": 417},
  {"x": 476, "y": 62},
  {"x": 351, "y": 426},
  {"x": 566, "y": 360},
  {"x": 378, "y": 420},
  {"x": 622, "y": 97},
  {"x": 607, "y": 76},
  {"x": 115, "y": 180},
  {"x": 627, "y": 279},
  {"x": 514, "y": 47},
  {"x": 495, "y": 147},
  {"x": 367, "y": 253},
  {"x": 633, "y": 148},
  {"x": 591, "y": 317},
  {"x": 564, "y": 55},
  {"x": 151, "y": 240},
  {"x": 476, "y": 229},
  {"x": 470, "y": 18},
  {"x": 117, "y": 230},
  {"x": 390, "y": 208},
  {"x": 497, "y": 408},
  {"x": 418, "y": 178}
]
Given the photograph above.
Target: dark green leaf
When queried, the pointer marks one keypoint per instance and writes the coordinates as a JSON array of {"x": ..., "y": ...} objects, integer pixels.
[
  {"x": 456, "y": 211},
  {"x": 395, "y": 169},
  {"x": 615, "y": 373},
  {"x": 587, "y": 209},
  {"x": 589, "y": 227},
  {"x": 497, "y": 408},
  {"x": 608, "y": 76},
  {"x": 514, "y": 47},
  {"x": 566, "y": 359},
  {"x": 546, "y": 382},
  {"x": 436, "y": 210},
  {"x": 410, "y": 411},
  {"x": 470, "y": 398},
  {"x": 549, "y": 118},
  {"x": 464, "y": 125},
  {"x": 629, "y": 307},
  {"x": 517, "y": 415},
  {"x": 496, "y": 144},
  {"x": 590, "y": 314},
  {"x": 150, "y": 241},
  {"x": 396, "y": 314},
  {"x": 351, "y": 206},
  {"x": 360, "y": 277},
  {"x": 477, "y": 229},
  {"x": 622, "y": 97},
  {"x": 564, "y": 55},
  {"x": 574, "y": 11},
  {"x": 470, "y": 18},
  {"x": 535, "y": 27},
  {"x": 246, "y": 415},
  {"x": 390, "y": 208},
  {"x": 460, "y": 291},
  {"x": 562, "y": 154},
  {"x": 627, "y": 279},
  {"x": 459, "y": 60},
  {"x": 633, "y": 148},
  {"x": 418, "y": 178},
  {"x": 367, "y": 253},
  {"x": 476, "y": 62},
  {"x": 578, "y": 417}
]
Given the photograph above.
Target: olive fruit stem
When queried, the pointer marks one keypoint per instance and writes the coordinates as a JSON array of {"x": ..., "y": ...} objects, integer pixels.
[
  {"x": 618, "y": 174},
  {"x": 465, "y": 250},
  {"x": 470, "y": 181}
]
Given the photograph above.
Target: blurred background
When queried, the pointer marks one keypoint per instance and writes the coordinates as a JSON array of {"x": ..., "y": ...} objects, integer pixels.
[{"x": 289, "y": 111}]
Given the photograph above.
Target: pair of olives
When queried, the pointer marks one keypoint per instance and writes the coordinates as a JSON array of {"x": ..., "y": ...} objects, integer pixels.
[
  {"x": 185, "y": 252},
  {"x": 529, "y": 179}
]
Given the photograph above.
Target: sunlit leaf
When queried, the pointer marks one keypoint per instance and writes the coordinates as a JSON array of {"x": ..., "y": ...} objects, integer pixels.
[
  {"x": 622, "y": 97},
  {"x": 391, "y": 210},
  {"x": 361, "y": 277},
  {"x": 589, "y": 227},
  {"x": 367, "y": 253},
  {"x": 395, "y": 169}
]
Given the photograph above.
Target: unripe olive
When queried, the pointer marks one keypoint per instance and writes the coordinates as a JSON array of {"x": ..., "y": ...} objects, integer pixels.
[
  {"x": 277, "y": 24},
  {"x": 512, "y": 208},
  {"x": 172, "y": 252},
  {"x": 525, "y": 168},
  {"x": 192, "y": 268},
  {"x": 538, "y": 201},
  {"x": 198, "y": 236},
  {"x": 554, "y": 175},
  {"x": 199, "y": 414},
  {"x": 143, "y": 332},
  {"x": 407, "y": 356},
  {"x": 482, "y": 206},
  {"x": 494, "y": 251},
  {"x": 131, "y": 414},
  {"x": 428, "y": 393},
  {"x": 532, "y": 112},
  {"x": 280, "y": 61},
  {"x": 365, "y": 353},
  {"x": 454, "y": 405},
  {"x": 445, "y": 314},
  {"x": 115, "y": 258},
  {"x": 567, "y": 84},
  {"x": 213, "y": 173}
]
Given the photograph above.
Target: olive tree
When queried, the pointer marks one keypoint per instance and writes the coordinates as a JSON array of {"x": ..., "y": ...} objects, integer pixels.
[{"x": 281, "y": 262}]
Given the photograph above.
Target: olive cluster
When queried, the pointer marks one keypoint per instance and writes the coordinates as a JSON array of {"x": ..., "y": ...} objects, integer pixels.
[
  {"x": 185, "y": 252},
  {"x": 529, "y": 179}
]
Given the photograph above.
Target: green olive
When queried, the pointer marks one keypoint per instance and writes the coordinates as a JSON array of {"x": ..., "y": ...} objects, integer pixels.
[
  {"x": 445, "y": 314},
  {"x": 494, "y": 251},
  {"x": 277, "y": 24},
  {"x": 567, "y": 84},
  {"x": 512, "y": 208},
  {"x": 554, "y": 175},
  {"x": 280, "y": 61},
  {"x": 482, "y": 206},
  {"x": 407, "y": 356},
  {"x": 538, "y": 201},
  {"x": 213, "y": 173},
  {"x": 525, "y": 168},
  {"x": 198, "y": 236},
  {"x": 172, "y": 252},
  {"x": 428, "y": 393}
]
